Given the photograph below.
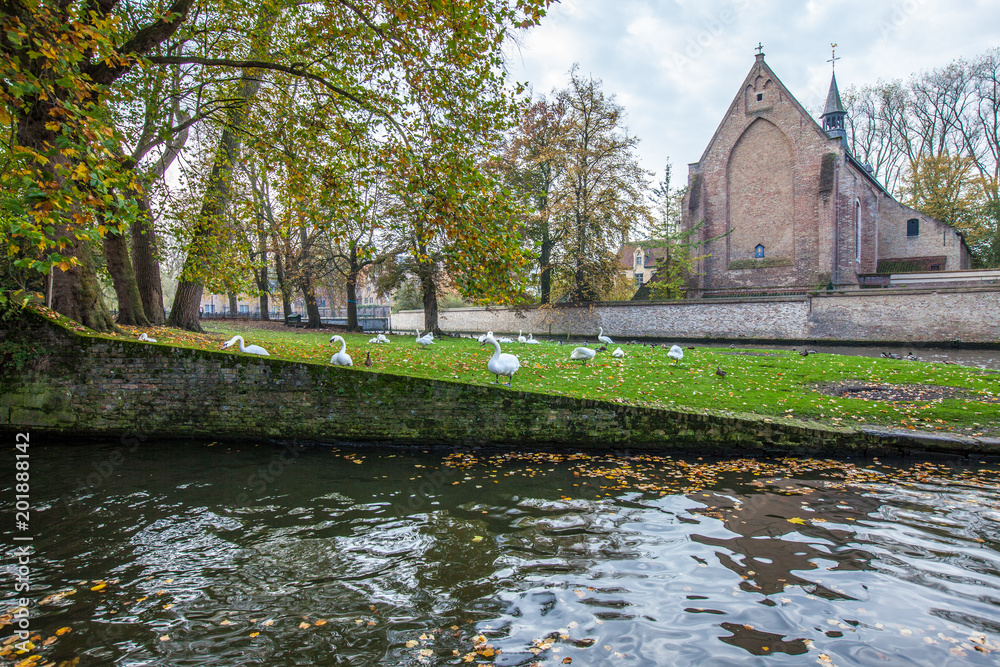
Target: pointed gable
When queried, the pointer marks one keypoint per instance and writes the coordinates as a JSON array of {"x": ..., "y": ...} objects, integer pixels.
[{"x": 762, "y": 90}]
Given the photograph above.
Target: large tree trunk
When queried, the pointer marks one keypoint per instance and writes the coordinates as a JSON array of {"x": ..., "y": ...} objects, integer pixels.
[
  {"x": 184, "y": 314},
  {"x": 233, "y": 304},
  {"x": 312, "y": 307},
  {"x": 429, "y": 289},
  {"x": 76, "y": 293},
  {"x": 352, "y": 291},
  {"x": 130, "y": 309},
  {"x": 286, "y": 292},
  {"x": 263, "y": 285},
  {"x": 209, "y": 227},
  {"x": 546, "y": 270},
  {"x": 145, "y": 264}
]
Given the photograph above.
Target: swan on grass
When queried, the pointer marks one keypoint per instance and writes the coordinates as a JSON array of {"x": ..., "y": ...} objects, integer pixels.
[
  {"x": 425, "y": 340},
  {"x": 582, "y": 354},
  {"x": 676, "y": 353},
  {"x": 483, "y": 337},
  {"x": 146, "y": 339},
  {"x": 505, "y": 340},
  {"x": 520, "y": 337},
  {"x": 618, "y": 353},
  {"x": 341, "y": 358},
  {"x": 501, "y": 363},
  {"x": 382, "y": 338},
  {"x": 604, "y": 339},
  {"x": 531, "y": 340},
  {"x": 248, "y": 349}
]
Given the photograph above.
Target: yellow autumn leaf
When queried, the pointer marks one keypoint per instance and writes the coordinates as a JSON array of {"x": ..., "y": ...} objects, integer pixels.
[
  {"x": 797, "y": 520},
  {"x": 411, "y": 643},
  {"x": 62, "y": 631},
  {"x": 254, "y": 634},
  {"x": 99, "y": 586}
]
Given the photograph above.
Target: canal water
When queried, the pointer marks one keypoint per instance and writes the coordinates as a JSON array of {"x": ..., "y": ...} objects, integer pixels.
[{"x": 210, "y": 554}]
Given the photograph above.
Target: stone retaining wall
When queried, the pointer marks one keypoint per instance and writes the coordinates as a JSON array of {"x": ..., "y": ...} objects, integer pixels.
[
  {"x": 943, "y": 316},
  {"x": 111, "y": 387}
]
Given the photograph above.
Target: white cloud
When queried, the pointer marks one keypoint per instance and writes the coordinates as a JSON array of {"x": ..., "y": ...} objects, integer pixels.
[{"x": 675, "y": 65}]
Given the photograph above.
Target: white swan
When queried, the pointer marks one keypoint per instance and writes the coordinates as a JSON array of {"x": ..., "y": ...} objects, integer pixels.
[
  {"x": 248, "y": 349},
  {"x": 618, "y": 353},
  {"x": 382, "y": 338},
  {"x": 146, "y": 339},
  {"x": 531, "y": 340},
  {"x": 501, "y": 363},
  {"x": 676, "y": 353},
  {"x": 505, "y": 340},
  {"x": 374, "y": 341},
  {"x": 341, "y": 358},
  {"x": 582, "y": 354},
  {"x": 483, "y": 337},
  {"x": 424, "y": 340},
  {"x": 604, "y": 339},
  {"x": 520, "y": 337}
]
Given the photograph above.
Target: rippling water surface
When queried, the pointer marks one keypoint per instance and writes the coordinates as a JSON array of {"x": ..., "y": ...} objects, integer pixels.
[{"x": 181, "y": 554}]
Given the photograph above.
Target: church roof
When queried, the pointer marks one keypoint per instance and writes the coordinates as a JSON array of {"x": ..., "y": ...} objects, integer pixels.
[{"x": 833, "y": 103}]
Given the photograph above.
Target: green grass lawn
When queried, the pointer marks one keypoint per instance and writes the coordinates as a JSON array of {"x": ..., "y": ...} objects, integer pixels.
[{"x": 771, "y": 383}]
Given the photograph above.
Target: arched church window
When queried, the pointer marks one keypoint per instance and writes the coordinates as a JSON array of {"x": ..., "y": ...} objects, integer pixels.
[
  {"x": 913, "y": 227},
  {"x": 857, "y": 230},
  {"x": 758, "y": 252}
]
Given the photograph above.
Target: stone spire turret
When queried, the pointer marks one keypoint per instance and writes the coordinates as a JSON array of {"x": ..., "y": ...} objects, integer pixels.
[{"x": 834, "y": 115}]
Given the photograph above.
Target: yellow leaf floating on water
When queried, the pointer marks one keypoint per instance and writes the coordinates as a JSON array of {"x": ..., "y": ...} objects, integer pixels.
[
  {"x": 477, "y": 538},
  {"x": 99, "y": 586},
  {"x": 165, "y": 638},
  {"x": 62, "y": 631},
  {"x": 320, "y": 622},
  {"x": 268, "y": 623},
  {"x": 303, "y": 625},
  {"x": 254, "y": 634},
  {"x": 797, "y": 520},
  {"x": 426, "y": 652},
  {"x": 411, "y": 643}
]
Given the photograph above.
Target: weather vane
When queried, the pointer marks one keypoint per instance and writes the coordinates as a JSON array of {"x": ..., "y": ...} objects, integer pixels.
[{"x": 833, "y": 56}]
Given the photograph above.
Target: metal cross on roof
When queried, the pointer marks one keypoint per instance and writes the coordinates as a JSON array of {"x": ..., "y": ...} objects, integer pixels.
[
  {"x": 760, "y": 48},
  {"x": 833, "y": 57}
]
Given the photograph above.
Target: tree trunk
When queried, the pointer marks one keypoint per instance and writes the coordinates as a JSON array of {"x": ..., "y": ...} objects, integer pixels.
[
  {"x": 265, "y": 307},
  {"x": 76, "y": 293},
  {"x": 312, "y": 307},
  {"x": 145, "y": 264},
  {"x": 233, "y": 304},
  {"x": 184, "y": 314},
  {"x": 130, "y": 309},
  {"x": 429, "y": 290},
  {"x": 546, "y": 270},
  {"x": 286, "y": 293},
  {"x": 352, "y": 291}
]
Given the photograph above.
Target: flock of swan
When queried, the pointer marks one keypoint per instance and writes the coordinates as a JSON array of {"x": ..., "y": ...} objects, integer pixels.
[{"x": 501, "y": 364}]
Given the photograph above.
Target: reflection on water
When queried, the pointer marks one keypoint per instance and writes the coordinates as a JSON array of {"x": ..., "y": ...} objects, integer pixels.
[{"x": 206, "y": 555}]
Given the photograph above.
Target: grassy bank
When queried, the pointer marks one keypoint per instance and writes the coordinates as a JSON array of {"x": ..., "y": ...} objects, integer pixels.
[{"x": 832, "y": 389}]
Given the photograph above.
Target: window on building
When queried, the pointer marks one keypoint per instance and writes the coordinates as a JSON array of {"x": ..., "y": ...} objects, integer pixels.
[
  {"x": 210, "y": 308},
  {"x": 638, "y": 280},
  {"x": 244, "y": 309},
  {"x": 322, "y": 303},
  {"x": 913, "y": 227},
  {"x": 758, "y": 252},
  {"x": 638, "y": 259},
  {"x": 857, "y": 231},
  {"x": 760, "y": 96}
]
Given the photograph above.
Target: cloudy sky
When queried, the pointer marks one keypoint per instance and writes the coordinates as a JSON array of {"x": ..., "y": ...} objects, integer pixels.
[{"x": 675, "y": 65}]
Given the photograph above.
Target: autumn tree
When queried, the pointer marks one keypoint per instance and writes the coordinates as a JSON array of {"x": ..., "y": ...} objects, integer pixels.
[
  {"x": 604, "y": 189},
  {"x": 63, "y": 180},
  {"x": 536, "y": 164}
]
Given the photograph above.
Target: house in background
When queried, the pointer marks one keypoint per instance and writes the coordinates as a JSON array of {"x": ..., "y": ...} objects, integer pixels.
[
  {"x": 638, "y": 261},
  {"x": 791, "y": 210}
]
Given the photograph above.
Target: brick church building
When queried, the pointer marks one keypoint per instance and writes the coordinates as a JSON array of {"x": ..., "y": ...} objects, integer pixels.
[{"x": 794, "y": 210}]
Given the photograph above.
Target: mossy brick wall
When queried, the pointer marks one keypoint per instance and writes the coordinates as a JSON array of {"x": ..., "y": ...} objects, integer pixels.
[{"x": 90, "y": 385}]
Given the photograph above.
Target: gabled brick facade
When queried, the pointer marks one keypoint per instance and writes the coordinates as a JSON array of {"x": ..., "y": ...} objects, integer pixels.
[{"x": 791, "y": 210}]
